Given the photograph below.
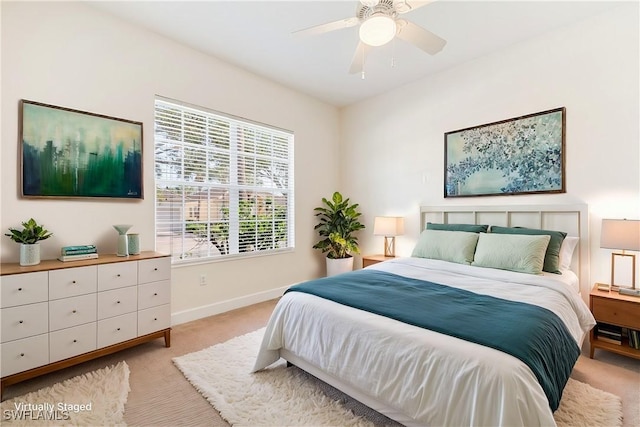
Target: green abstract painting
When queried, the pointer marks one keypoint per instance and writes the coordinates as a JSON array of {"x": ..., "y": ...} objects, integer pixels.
[{"x": 70, "y": 153}]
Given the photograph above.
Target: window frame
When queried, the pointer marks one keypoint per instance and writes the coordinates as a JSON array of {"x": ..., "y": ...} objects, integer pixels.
[{"x": 259, "y": 200}]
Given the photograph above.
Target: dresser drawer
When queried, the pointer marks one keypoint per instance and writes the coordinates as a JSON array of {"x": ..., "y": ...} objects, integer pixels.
[
  {"x": 25, "y": 321},
  {"x": 72, "y": 281},
  {"x": 117, "y": 275},
  {"x": 117, "y": 329},
  {"x": 154, "y": 319},
  {"x": 621, "y": 313},
  {"x": 153, "y": 270},
  {"x": 117, "y": 301},
  {"x": 19, "y": 289},
  {"x": 73, "y": 311},
  {"x": 70, "y": 342},
  {"x": 154, "y": 294},
  {"x": 24, "y": 354}
]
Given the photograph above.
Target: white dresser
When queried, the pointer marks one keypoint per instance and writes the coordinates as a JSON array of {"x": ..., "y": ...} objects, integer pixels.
[{"x": 55, "y": 314}]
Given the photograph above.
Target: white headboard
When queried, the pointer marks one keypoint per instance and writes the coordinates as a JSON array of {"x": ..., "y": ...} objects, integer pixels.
[{"x": 572, "y": 219}]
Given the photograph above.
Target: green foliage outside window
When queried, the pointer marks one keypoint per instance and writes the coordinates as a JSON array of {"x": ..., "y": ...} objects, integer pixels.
[{"x": 258, "y": 230}]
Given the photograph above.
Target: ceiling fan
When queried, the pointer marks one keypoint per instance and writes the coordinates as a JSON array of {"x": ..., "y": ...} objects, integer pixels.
[{"x": 380, "y": 23}]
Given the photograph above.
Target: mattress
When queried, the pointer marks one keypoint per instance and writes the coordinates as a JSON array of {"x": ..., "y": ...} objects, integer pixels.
[{"x": 426, "y": 377}]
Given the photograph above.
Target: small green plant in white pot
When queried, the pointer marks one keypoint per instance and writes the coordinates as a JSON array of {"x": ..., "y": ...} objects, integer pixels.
[
  {"x": 339, "y": 220},
  {"x": 29, "y": 238}
]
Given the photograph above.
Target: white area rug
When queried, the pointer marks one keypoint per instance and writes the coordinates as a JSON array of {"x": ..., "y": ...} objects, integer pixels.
[
  {"x": 287, "y": 396},
  {"x": 93, "y": 399}
]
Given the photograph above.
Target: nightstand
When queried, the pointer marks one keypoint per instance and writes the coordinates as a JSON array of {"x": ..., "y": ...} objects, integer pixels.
[
  {"x": 615, "y": 309},
  {"x": 368, "y": 260}
]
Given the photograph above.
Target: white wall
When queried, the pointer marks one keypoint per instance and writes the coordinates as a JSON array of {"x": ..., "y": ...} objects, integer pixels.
[
  {"x": 70, "y": 55},
  {"x": 591, "y": 68}
]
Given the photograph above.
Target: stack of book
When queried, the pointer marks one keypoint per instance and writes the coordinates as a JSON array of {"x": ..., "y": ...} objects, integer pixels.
[
  {"x": 609, "y": 333},
  {"x": 76, "y": 253},
  {"x": 634, "y": 339}
]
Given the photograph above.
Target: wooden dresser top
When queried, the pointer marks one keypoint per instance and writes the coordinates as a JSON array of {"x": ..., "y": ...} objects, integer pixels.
[{"x": 54, "y": 264}]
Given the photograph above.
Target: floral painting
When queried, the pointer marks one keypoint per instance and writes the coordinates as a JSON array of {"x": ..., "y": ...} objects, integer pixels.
[
  {"x": 69, "y": 153},
  {"x": 522, "y": 155}
]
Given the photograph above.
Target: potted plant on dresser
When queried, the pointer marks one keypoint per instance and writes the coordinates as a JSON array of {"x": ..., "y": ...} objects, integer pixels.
[
  {"x": 338, "y": 223},
  {"x": 29, "y": 238}
]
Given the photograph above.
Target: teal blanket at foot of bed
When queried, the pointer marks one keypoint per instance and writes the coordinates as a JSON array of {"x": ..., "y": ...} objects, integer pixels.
[{"x": 533, "y": 334}]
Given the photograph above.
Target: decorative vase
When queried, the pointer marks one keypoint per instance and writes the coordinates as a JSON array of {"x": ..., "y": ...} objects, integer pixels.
[
  {"x": 29, "y": 254},
  {"x": 122, "y": 239},
  {"x": 133, "y": 243},
  {"x": 339, "y": 265}
]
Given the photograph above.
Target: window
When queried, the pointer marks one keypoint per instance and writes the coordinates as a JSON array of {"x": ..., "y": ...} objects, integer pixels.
[{"x": 224, "y": 185}]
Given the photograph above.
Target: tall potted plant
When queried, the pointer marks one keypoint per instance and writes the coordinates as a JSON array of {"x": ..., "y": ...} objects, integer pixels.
[
  {"x": 29, "y": 238},
  {"x": 338, "y": 223}
]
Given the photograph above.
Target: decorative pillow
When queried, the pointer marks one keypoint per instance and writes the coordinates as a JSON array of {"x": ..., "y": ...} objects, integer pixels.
[
  {"x": 453, "y": 246},
  {"x": 552, "y": 256},
  {"x": 515, "y": 252},
  {"x": 566, "y": 251},
  {"x": 472, "y": 228}
]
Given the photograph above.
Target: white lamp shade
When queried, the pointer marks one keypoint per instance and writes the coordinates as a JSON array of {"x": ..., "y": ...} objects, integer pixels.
[
  {"x": 378, "y": 30},
  {"x": 620, "y": 234},
  {"x": 388, "y": 226}
]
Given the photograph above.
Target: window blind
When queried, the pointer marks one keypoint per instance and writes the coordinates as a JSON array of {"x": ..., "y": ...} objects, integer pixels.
[{"x": 224, "y": 185}]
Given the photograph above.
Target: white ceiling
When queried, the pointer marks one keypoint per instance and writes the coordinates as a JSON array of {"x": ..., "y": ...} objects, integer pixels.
[{"x": 256, "y": 35}]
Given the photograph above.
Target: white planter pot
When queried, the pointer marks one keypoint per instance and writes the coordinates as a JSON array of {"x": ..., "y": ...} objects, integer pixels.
[
  {"x": 29, "y": 254},
  {"x": 338, "y": 266}
]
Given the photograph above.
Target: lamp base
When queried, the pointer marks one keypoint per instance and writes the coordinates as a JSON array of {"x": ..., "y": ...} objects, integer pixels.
[
  {"x": 631, "y": 292},
  {"x": 389, "y": 246}
]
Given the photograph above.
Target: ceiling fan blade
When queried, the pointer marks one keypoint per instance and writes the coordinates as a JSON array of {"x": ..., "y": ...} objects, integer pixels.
[
  {"x": 360, "y": 55},
  {"x": 410, "y": 5},
  {"x": 325, "y": 28},
  {"x": 421, "y": 38}
]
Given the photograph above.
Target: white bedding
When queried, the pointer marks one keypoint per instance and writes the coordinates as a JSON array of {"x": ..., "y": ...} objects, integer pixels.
[{"x": 428, "y": 377}]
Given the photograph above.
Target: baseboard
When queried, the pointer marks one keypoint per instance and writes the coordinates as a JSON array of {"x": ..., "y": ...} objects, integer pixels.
[{"x": 224, "y": 306}]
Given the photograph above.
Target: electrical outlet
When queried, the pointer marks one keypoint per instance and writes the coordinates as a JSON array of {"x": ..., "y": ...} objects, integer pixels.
[{"x": 203, "y": 279}]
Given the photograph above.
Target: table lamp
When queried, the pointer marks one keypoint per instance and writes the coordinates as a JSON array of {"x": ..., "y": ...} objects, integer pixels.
[
  {"x": 389, "y": 227},
  {"x": 622, "y": 234}
]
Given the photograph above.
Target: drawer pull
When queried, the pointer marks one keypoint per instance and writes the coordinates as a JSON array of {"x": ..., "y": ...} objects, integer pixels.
[
  {"x": 21, "y": 354},
  {"x": 117, "y": 302},
  {"x": 155, "y": 269},
  {"x": 155, "y": 294},
  {"x": 118, "y": 329},
  {"x": 118, "y": 275},
  {"x": 74, "y": 311},
  {"x": 75, "y": 340},
  {"x": 155, "y": 318},
  {"x": 73, "y": 281},
  {"x": 19, "y": 289},
  {"x": 21, "y": 321}
]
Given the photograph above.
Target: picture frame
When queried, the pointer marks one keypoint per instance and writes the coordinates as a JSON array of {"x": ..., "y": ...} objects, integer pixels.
[
  {"x": 67, "y": 153},
  {"x": 520, "y": 155}
]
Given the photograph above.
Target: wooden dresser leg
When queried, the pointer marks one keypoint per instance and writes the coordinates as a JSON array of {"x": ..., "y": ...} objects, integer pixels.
[{"x": 167, "y": 338}]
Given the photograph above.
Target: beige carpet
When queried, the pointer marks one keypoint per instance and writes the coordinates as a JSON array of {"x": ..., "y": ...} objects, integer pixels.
[
  {"x": 160, "y": 395},
  {"x": 285, "y": 396},
  {"x": 93, "y": 399}
]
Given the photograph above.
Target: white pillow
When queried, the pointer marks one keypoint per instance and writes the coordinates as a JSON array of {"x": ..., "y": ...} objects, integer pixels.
[
  {"x": 566, "y": 251},
  {"x": 453, "y": 246},
  {"x": 516, "y": 252}
]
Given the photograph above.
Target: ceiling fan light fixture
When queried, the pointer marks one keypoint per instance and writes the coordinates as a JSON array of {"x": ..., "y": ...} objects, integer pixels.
[{"x": 378, "y": 30}]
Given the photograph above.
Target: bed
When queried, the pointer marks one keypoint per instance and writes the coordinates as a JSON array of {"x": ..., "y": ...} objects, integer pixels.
[{"x": 440, "y": 369}]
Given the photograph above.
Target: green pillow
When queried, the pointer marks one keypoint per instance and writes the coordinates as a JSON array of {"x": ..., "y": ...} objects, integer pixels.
[
  {"x": 552, "y": 256},
  {"x": 472, "y": 228},
  {"x": 453, "y": 246},
  {"x": 515, "y": 252}
]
